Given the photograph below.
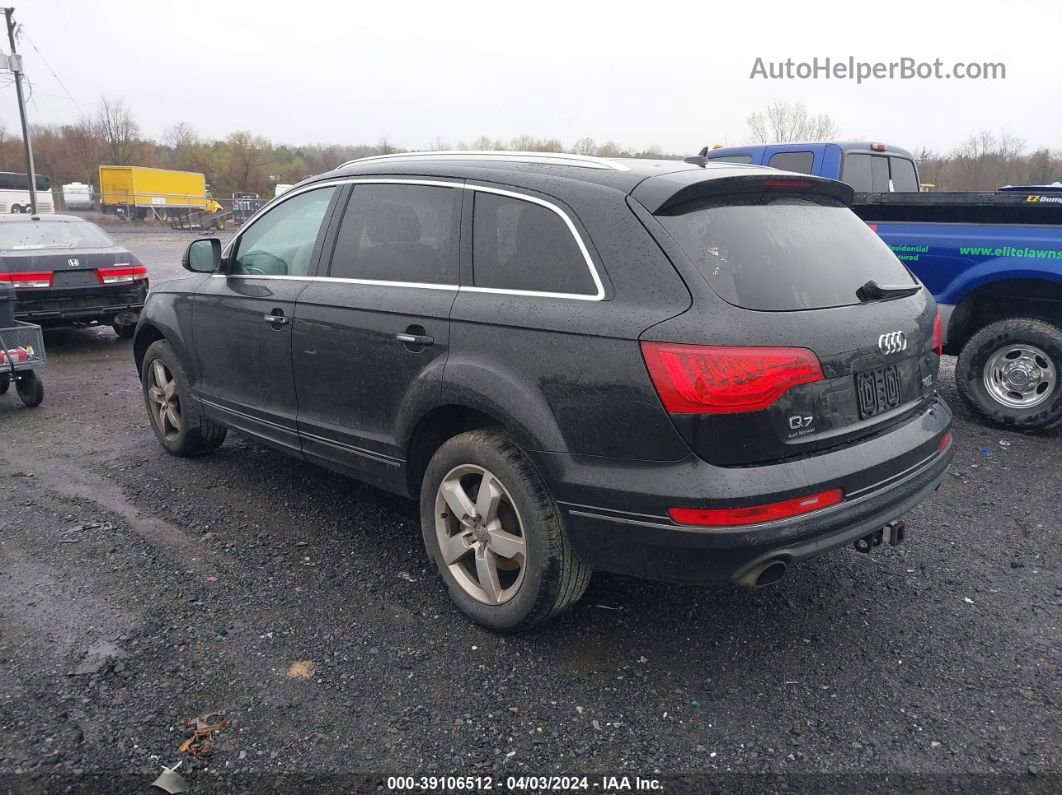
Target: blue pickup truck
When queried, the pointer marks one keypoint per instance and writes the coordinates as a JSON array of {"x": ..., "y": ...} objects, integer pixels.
[{"x": 993, "y": 261}]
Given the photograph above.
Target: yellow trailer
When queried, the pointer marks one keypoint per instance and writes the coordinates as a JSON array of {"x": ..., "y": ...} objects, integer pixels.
[{"x": 153, "y": 192}]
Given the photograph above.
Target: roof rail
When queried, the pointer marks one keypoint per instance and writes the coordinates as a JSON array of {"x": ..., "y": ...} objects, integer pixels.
[{"x": 544, "y": 158}]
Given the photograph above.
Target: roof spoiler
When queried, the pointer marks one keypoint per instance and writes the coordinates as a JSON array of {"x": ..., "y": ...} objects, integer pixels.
[{"x": 664, "y": 193}]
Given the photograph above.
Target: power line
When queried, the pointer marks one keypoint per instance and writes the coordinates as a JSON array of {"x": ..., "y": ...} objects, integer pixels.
[{"x": 49, "y": 66}]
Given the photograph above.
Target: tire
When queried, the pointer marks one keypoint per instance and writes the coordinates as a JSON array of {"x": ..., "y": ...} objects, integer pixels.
[
  {"x": 5, "y": 382},
  {"x": 126, "y": 331},
  {"x": 1031, "y": 350},
  {"x": 176, "y": 419},
  {"x": 30, "y": 389},
  {"x": 550, "y": 577}
]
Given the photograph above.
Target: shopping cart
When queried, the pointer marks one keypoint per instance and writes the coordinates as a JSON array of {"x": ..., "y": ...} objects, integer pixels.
[{"x": 21, "y": 355}]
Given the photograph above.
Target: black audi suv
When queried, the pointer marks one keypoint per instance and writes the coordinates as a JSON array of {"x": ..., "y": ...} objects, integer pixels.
[{"x": 656, "y": 368}]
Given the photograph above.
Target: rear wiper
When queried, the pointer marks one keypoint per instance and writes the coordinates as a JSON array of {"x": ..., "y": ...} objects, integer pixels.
[{"x": 872, "y": 291}]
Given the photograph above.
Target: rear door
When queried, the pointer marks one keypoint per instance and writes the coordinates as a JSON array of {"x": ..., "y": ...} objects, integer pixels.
[
  {"x": 243, "y": 318},
  {"x": 371, "y": 337},
  {"x": 790, "y": 270}
]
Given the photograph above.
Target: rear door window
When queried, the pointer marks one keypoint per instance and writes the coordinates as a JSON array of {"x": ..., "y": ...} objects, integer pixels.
[
  {"x": 399, "y": 233},
  {"x": 793, "y": 161},
  {"x": 520, "y": 245},
  {"x": 781, "y": 253}
]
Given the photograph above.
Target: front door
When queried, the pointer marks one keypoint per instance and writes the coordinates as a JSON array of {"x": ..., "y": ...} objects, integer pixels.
[
  {"x": 371, "y": 339},
  {"x": 243, "y": 318}
]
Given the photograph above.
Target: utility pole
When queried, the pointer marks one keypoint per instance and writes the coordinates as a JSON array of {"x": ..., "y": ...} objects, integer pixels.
[{"x": 15, "y": 63}]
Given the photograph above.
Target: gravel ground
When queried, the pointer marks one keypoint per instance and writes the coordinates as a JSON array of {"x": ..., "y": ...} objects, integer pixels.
[{"x": 138, "y": 590}]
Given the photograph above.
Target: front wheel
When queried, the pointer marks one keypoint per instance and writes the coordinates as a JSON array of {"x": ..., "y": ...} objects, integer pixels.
[
  {"x": 494, "y": 533},
  {"x": 1009, "y": 374},
  {"x": 176, "y": 418},
  {"x": 30, "y": 389}
]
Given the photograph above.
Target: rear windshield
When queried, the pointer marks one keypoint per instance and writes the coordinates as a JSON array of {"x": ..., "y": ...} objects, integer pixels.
[
  {"x": 30, "y": 235},
  {"x": 782, "y": 252}
]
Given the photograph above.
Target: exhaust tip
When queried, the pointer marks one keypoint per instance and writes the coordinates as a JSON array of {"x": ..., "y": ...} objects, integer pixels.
[{"x": 771, "y": 573}]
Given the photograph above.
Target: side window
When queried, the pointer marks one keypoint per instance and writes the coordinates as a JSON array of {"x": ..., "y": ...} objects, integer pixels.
[
  {"x": 281, "y": 242},
  {"x": 793, "y": 161},
  {"x": 519, "y": 245},
  {"x": 879, "y": 175},
  {"x": 856, "y": 172},
  {"x": 903, "y": 175},
  {"x": 399, "y": 233}
]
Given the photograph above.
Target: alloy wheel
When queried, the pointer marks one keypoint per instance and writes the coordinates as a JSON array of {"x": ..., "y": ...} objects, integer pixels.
[
  {"x": 164, "y": 402},
  {"x": 480, "y": 534}
]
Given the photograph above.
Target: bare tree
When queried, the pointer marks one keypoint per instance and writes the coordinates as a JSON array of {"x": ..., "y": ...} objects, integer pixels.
[
  {"x": 790, "y": 121},
  {"x": 384, "y": 147},
  {"x": 180, "y": 135},
  {"x": 611, "y": 149},
  {"x": 584, "y": 146},
  {"x": 439, "y": 145},
  {"x": 118, "y": 130}
]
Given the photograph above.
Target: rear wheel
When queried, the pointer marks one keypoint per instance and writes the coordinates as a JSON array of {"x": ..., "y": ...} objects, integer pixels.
[
  {"x": 494, "y": 533},
  {"x": 176, "y": 418},
  {"x": 124, "y": 330},
  {"x": 1010, "y": 373},
  {"x": 30, "y": 389}
]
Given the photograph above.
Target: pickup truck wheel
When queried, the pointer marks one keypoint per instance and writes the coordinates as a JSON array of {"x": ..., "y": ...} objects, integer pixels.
[
  {"x": 176, "y": 419},
  {"x": 1010, "y": 373},
  {"x": 494, "y": 533}
]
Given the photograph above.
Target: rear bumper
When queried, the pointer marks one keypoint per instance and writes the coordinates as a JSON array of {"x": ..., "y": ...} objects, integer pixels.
[
  {"x": 80, "y": 305},
  {"x": 623, "y": 527}
]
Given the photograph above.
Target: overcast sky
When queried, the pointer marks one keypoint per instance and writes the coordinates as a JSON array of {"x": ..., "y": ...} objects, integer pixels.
[{"x": 671, "y": 74}]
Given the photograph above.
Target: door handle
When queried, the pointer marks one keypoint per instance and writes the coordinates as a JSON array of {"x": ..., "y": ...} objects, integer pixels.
[
  {"x": 415, "y": 339},
  {"x": 276, "y": 320}
]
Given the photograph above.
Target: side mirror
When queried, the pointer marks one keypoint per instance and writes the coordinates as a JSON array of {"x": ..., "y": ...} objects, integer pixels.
[{"x": 203, "y": 256}]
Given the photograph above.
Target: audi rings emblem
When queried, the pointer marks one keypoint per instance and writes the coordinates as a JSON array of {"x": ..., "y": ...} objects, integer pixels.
[{"x": 893, "y": 342}]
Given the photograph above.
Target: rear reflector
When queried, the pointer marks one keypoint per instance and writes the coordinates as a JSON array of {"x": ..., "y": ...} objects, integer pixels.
[
  {"x": 699, "y": 379},
  {"x": 38, "y": 279},
  {"x": 754, "y": 514},
  {"x": 121, "y": 275},
  {"x": 945, "y": 440},
  {"x": 938, "y": 335}
]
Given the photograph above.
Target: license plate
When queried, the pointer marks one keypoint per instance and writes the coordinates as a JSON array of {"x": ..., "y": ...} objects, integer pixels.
[{"x": 878, "y": 390}]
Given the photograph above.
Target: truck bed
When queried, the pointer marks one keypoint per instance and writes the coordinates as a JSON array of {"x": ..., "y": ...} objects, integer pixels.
[{"x": 965, "y": 207}]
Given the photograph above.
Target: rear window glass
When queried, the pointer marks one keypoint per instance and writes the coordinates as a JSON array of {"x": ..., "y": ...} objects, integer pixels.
[
  {"x": 518, "y": 245},
  {"x": 903, "y": 175},
  {"x": 782, "y": 252},
  {"x": 30, "y": 235},
  {"x": 732, "y": 158},
  {"x": 793, "y": 161}
]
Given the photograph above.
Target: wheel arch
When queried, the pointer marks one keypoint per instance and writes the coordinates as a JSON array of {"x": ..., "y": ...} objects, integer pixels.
[{"x": 1002, "y": 299}]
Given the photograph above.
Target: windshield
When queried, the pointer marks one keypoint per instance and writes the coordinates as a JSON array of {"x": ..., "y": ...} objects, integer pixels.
[
  {"x": 29, "y": 235},
  {"x": 783, "y": 252}
]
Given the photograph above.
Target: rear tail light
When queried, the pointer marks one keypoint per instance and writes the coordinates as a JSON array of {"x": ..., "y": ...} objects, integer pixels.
[
  {"x": 945, "y": 440},
  {"x": 121, "y": 275},
  {"x": 754, "y": 514},
  {"x": 938, "y": 335},
  {"x": 698, "y": 379},
  {"x": 38, "y": 279}
]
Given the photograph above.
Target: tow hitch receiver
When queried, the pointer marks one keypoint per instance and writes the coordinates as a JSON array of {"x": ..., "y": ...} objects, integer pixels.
[{"x": 893, "y": 532}]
